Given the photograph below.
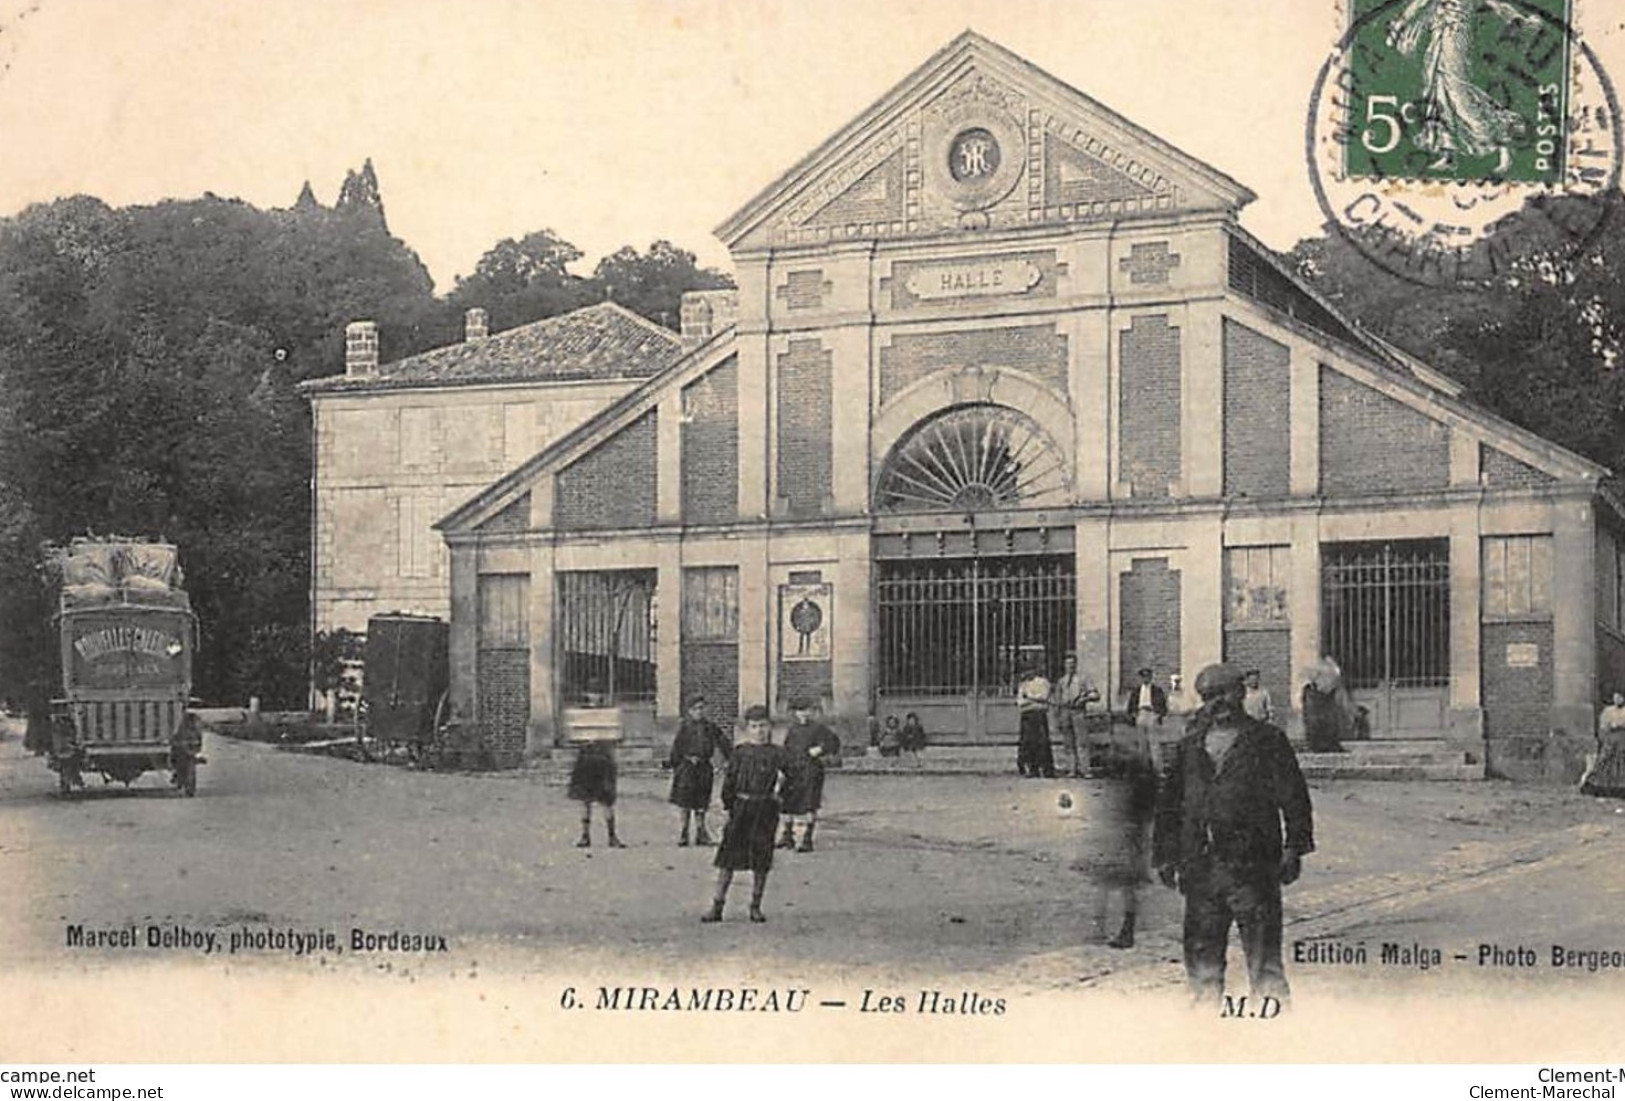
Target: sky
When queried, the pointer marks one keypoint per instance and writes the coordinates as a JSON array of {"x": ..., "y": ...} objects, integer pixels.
[{"x": 613, "y": 123}]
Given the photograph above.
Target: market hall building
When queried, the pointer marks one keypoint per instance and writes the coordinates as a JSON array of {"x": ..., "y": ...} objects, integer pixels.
[{"x": 1008, "y": 380}]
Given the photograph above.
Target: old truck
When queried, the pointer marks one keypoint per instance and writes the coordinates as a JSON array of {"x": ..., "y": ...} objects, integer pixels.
[{"x": 127, "y": 637}]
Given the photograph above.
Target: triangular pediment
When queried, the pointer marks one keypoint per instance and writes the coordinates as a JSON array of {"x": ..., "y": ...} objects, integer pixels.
[{"x": 977, "y": 138}]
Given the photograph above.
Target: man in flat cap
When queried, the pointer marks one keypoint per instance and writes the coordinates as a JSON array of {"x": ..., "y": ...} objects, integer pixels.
[{"x": 1232, "y": 825}]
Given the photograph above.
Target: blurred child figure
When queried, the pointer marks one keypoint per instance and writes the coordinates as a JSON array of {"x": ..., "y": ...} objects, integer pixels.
[
  {"x": 692, "y": 774},
  {"x": 913, "y": 735},
  {"x": 593, "y": 780},
  {"x": 750, "y": 796},
  {"x": 1115, "y": 854},
  {"x": 891, "y": 737}
]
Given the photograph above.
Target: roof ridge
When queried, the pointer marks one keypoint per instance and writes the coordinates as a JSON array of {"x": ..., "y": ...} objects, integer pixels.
[{"x": 633, "y": 315}]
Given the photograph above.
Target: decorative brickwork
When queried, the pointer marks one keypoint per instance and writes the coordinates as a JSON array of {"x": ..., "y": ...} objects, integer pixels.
[
  {"x": 813, "y": 680},
  {"x": 875, "y": 198},
  {"x": 1270, "y": 652},
  {"x": 1036, "y": 349},
  {"x": 1517, "y": 698},
  {"x": 612, "y": 486},
  {"x": 1370, "y": 443},
  {"x": 1148, "y": 406},
  {"x": 804, "y": 290},
  {"x": 514, "y": 517},
  {"x": 805, "y": 401},
  {"x": 712, "y": 669},
  {"x": 1149, "y": 263},
  {"x": 1075, "y": 176},
  {"x": 1257, "y": 414},
  {"x": 711, "y": 447},
  {"x": 1502, "y": 471},
  {"x": 1148, "y": 602}
]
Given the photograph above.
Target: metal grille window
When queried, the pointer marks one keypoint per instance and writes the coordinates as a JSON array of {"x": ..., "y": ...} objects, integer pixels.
[
  {"x": 1386, "y": 612},
  {"x": 953, "y": 627},
  {"x": 1255, "y": 586},
  {"x": 711, "y": 604},
  {"x": 972, "y": 458},
  {"x": 606, "y": 636},
  {"x": 1518, "y": 575}
]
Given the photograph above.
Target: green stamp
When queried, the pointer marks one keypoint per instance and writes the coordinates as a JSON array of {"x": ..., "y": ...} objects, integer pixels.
[{"x": 1458, "y": 90}]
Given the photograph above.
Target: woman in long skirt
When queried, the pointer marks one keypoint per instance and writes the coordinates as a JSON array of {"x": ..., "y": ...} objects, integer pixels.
[{"x": 1607, "y": 776}]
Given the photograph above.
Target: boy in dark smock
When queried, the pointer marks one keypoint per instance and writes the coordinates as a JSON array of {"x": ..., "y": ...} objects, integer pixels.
[
  {"x": 807, "y": 748},
  {"x": 750, "y": 795},
  {"x": 593, "y": 779},
  {"x": 692, "y": 776}
]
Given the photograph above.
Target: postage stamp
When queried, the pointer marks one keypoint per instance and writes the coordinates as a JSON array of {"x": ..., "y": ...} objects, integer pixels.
[
  {"x": 1463, "y": 90},
  {"x": 1435, "y": 122}
]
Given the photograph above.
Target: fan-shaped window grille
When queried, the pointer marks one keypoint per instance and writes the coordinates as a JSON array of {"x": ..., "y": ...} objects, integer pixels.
[{"x": 973, "y": 458}]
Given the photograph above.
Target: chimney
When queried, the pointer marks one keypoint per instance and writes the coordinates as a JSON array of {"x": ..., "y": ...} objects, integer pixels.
[
  {"x": 706, "y": 313},
  {"x": 474, "y": 326},
  {"x": 361, "y": 349}
]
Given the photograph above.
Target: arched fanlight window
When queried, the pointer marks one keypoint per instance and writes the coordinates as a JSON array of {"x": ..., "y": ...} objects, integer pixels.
[{"x": 970, "y": 459}]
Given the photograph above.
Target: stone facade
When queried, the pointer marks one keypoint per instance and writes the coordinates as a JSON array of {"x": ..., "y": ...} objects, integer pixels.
[
  {"x": 993, "y": 339},
  {"x": 397, "y": 446}
]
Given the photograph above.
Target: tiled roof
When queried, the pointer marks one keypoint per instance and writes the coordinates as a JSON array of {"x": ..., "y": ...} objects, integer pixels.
[{"x": 602, "y": 342}]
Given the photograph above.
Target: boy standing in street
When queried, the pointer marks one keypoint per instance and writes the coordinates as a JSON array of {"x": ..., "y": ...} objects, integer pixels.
[
  {"x": 593, "y": 780},
  {"x": 692, "y": 774},
  {"x": 750, "y": 796},
  {"x": 808, "y": 748}
]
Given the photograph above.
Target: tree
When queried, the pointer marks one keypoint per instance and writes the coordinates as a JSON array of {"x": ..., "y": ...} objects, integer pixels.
[
  {"x": 517, "y": 282},
  {"x": 148, "y": 359},
  {"x": 653, "y": 283},
  {"x": 1540, "y": 343}
]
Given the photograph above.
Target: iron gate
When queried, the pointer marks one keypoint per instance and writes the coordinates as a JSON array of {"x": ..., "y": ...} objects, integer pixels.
[
  {"x": 954, "y": 634},
  {"x": 1385, "y": 615},
  {"x": 606, "y": 636}
]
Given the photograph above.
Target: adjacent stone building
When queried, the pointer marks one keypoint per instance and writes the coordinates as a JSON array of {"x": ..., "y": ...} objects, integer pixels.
[
  {"x": 1008, "y": 379},
  {"x": 400, "y": 444}
]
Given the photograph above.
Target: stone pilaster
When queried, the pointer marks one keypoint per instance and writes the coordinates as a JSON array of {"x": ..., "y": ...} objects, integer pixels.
[
  {"x": 1574, "y": 634},
  {"x": 541, "y": 731},
  {"x": 668, "y": 632},
  {"x": 465, "y": 628},
  {"x": 1303, "y": 596},
  {"x": 852, "y": 642}
]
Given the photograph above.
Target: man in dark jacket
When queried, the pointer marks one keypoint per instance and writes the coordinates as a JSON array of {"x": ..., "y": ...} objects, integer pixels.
[{"x": 1233, "y": 822}]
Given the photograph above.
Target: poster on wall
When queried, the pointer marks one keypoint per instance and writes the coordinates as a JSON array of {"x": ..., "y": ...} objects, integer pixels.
[{"x": 804, "y": 617}]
